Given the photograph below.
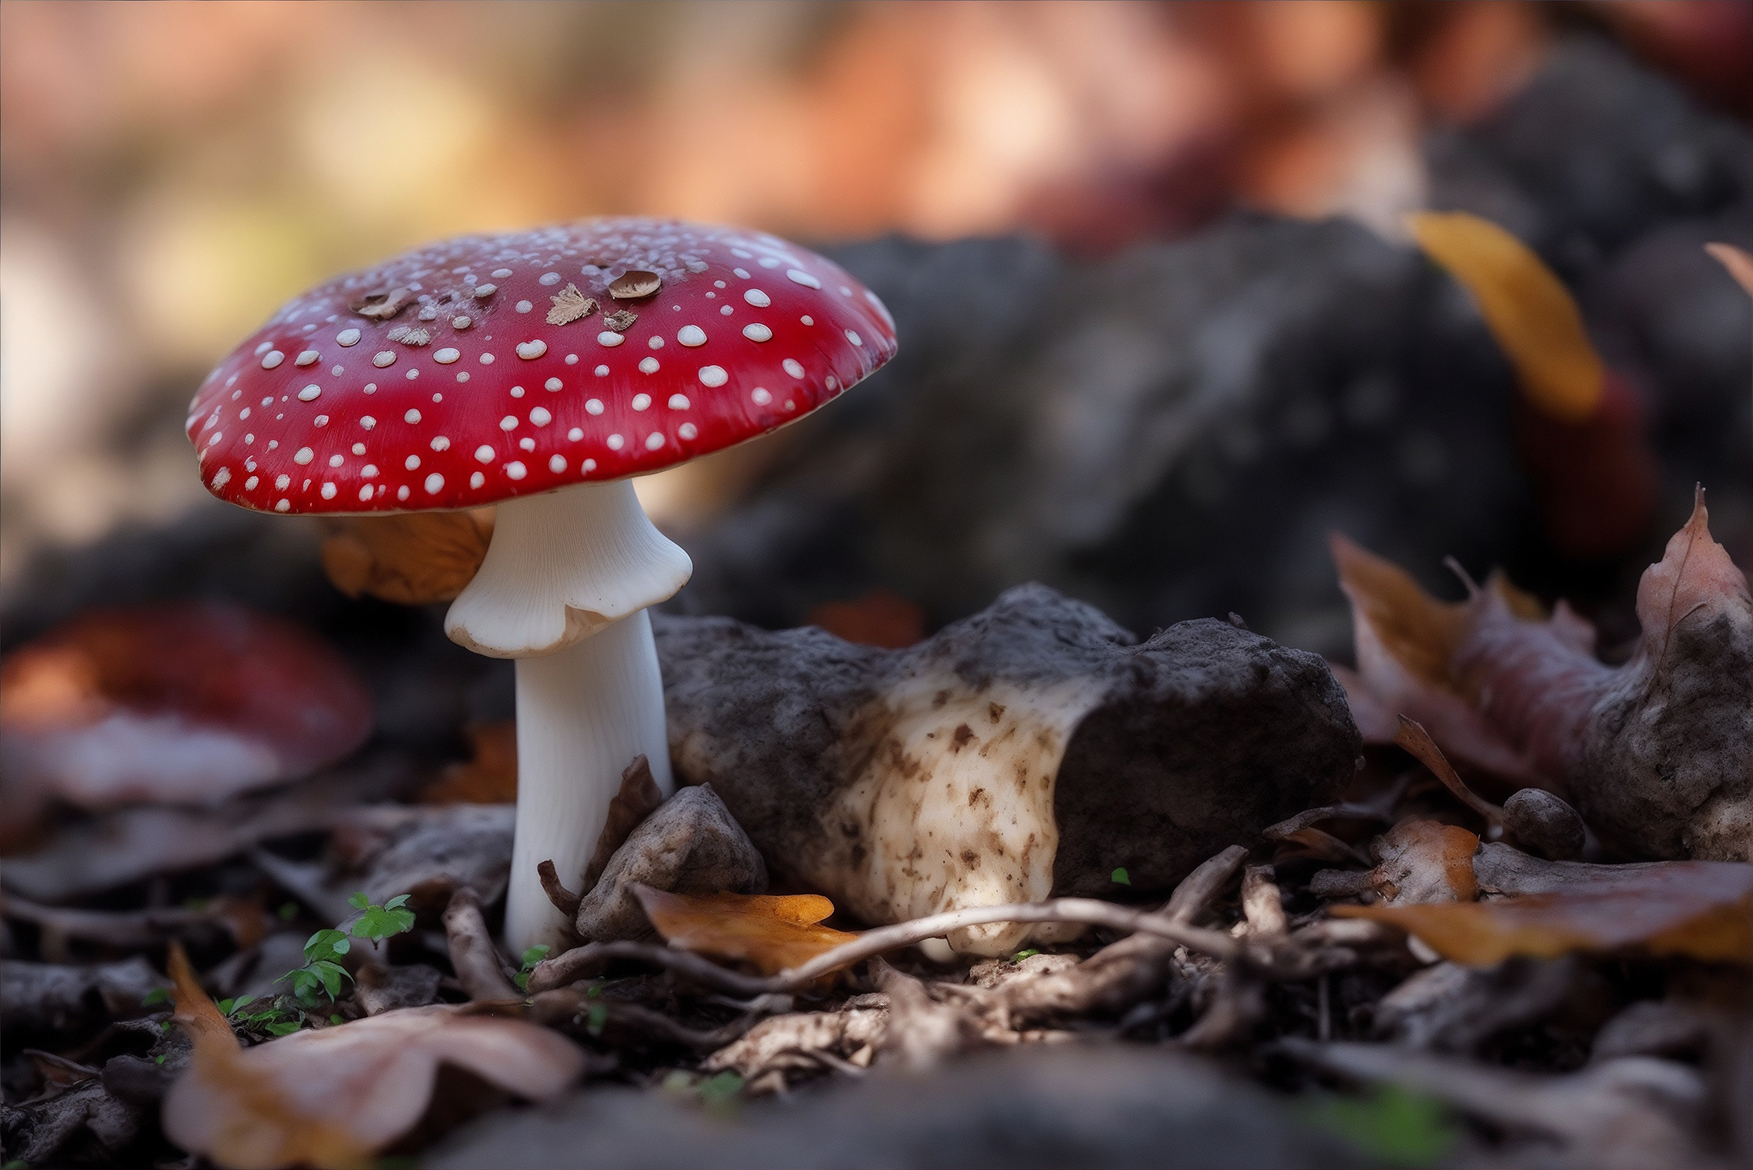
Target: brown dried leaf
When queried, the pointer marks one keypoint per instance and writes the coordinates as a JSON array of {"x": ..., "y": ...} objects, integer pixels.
[
  {"x": 770, "y": 932},
  {"x": 633, "y": 285},
  {"x": 620, "y": 321},
  {"x": 879, "y": 618},
  {"x": 1736, "y": 260},
  {"x": 570, "y": 305},
  {"x": 1421, "y": 861},
  {"x": 636, "y": 799},
  {"x": 383, "y": 304},
  {"x": 412, "y": 558},
  {"x": 1700, "y": 909},
  {"x": 333, "y": 1097},
  {"x": 489, "y": 778}
]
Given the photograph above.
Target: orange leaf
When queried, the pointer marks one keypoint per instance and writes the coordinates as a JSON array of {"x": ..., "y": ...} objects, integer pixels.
[
  {"x": 879, "y": 618},
  {"x": 489, "y": 778},
  {"x": 771, "y": 933},
  {"x": 1528, "y": 309},
  {"x": 1700, "y": 909},
  {"x": 412, "y": 558}
]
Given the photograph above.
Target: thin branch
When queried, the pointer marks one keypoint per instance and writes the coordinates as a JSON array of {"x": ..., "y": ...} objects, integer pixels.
[{"x": 471, "y": 949}]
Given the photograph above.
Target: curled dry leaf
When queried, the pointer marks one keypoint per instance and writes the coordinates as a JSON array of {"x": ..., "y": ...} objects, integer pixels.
[
  {"x": 189, "y": 703},
  {"x": 410, "y": 558},
  {"x": 1417, "y": 861},
  {"x": 489, "y": 778},
  {"x": 1701, "y": 909},
  {"x": 333, "y": 1097},
  {"x": 1657, "y": 754},
  {"x": 770, "y": 932}
]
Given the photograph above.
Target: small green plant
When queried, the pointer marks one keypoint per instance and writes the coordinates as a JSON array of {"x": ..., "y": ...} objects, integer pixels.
[
  {"x": 1120, "y": 877},
  {"x": 379, "y": 922},
  {"x": 531, "y": 957},
  {"x": 156, "y": 996},
  {"x": 597, "y": 1017},
  {"x": 322, "y": 970},
  {"x": 1025, "y": 954},
  {"x": 1395, "y": 1125},
  {"x": 271, "y": 1017}
]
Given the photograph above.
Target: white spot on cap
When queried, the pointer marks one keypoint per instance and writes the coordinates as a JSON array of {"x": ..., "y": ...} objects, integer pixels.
[
  {"x": 556, "y": 463},
  {"x": 500, "y": 273},
  {"x": 337, "y": 460},
  {"x": 602, "y": 371},
  {"x": 439, "y": 443},
  {"x": 517, "y": 391},
  {"x": 307, "y": 358},
  {"x": 687, "y": 430},
  {"x": 757, "y": 332},
  {"x": 477, "y": 479},
  {"x": 793, "y": 367},
  {"x": 434, "y": 482},
  {"x": 799, "y": 276},
  {"x": 221, "y": 477},
  {"x": 413, "y": 416},
  {"x": 768, "y": 262},
  {"x": 508, "y": 423},
  {"x": 304, "y": 455},
  {"x": 540, "y": 417},
  {"x": 515, "y": 470},
  {"x": 550, "y": 278},
  {"x": 412, "y": 374},
  {"x": 446, "y": 356},
  {"x": 713, "y": 376},
  {"x": 609, "y": 339},
  {"x": 522, "y": 306},
  {"x": 411, "y": 462},
  {"x": 641, "y": 401},
  {"x": 274, "y": 358},
  {"x": 553, "y": 383},
  {"x": 529, "y": 351},
  {"x": 616, "y": 442},
  {"x": 462, "y": 375},
  {"x": 309, "y": 393},
  {"x": 484, "y": 453},
  {"x": 348, "y": 337},
  {"x": 369, "y": 471},
  {"x": 321, "y": 420},
  {"x": 527, "y": 444},
  {"x": 807, "y": 319},
  {"x": 264, "y": 348},
  {"x": 359, "y": 448},
  {"x": 648, "y": 366},
  {"x": 337, "y": 370},
  {"x": 679, "y": 402},
  {"x": 282, "y": 482},
  {"x": 760, "y": 396},
  {"x": 366, "y": 421},
  {"x": 832, "y": 382},
  {"x": 385, "y": 357},
  {"x": 402, "y": 492},
  {"x": 365, "y": 492},
  {"x": 757, "y": 298},
  {"x": 593, "y": 406},
  {"x": 653, "y": 441},
  {"x": 656, "y": 342},
  {"x": 575, "y": 434},
  {"x": 283, "y": 506},
  {"x": 460, "y": 322},
  {"x": 486, "y": 359},
  {"x": 853, "y": 337},
  {"x": 328, "y": 491},
  {"x": 588, "y": 465},
  {"x": 371, "y": 387},
  {"x": 741, "y": 272},
  {"x": 250, "y": 483}
]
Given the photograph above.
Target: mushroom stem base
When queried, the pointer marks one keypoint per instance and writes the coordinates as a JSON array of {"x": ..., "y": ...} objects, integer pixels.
[{"x": 583, "y": 713}]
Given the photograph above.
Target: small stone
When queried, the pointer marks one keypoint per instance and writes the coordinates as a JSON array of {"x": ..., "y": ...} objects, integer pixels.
[{"x": 1544, "y": 824}]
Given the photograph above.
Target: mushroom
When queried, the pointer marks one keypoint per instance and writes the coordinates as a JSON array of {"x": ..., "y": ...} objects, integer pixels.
[{"x": 720, "y": 335}]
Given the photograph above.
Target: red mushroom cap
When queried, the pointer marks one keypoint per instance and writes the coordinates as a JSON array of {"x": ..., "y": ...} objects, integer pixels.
[{"x": 489, "y": 367}]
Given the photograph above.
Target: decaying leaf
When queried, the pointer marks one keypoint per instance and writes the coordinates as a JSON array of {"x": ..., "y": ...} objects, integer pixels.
[
  {"x": 383, "y": 304},
  {"x": 189, "y": 703},
  {"x": 569, "y": 305},
  {"x": 1701, "y": 909},
  {"x": 413, "y": 334},
  {"x": 770, "y": 932},
  {"x": 489, "y": 778},
  {"x": 1736, "y": 260},
  {"x": 332, "y": 1097},
  {"x": 879, "y": 618},
  {"x": 411, "y": 558},
  {"x": 1657, "y": 754},
  {"x": 1417, "y": 861},
  {"x": 634, "y": 285},
  {"x": 620, "y": 320}
]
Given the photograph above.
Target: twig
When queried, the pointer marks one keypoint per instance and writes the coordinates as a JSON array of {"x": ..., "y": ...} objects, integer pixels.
[
  {"x": 471, "y": 949},
  {"x": 587, "y": 960},
  {"x": 1414, "y": 738},
  {"x": 564, "y": 899},
  {"x": 133, "y": 928}
]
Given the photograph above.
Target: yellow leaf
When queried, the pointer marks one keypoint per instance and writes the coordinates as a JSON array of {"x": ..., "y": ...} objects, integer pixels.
[
  {"x": 1527, "y": 308},
  {"x": 1701, "y": 909},
  {"x": 771, "y": 933}
]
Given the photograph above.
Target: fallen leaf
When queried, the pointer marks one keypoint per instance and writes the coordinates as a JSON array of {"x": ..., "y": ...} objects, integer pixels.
[
  {"x": 1656, "y": 755},
  {"x": 770, "y": 932},
  {"x": 635, "y": 800},
  {"x": 1736, "y": 260},
  {"x": 189, "y": 703},
  {"x": 489, "y": 778},
  {"x": 411, "y": 558},
  {"x": 1527, "y": 307},
  {"x": 1584, "y": 436},
  {"x": 1700, "y": 909},
  {"x": 334, "y": 1096},
  {"x": 879, "y": 618},
  {"x": 1423, "y": 861}
]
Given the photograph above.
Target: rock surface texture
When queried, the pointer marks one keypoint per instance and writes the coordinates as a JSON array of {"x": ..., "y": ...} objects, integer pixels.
[{"x": 1029, "y": 750}]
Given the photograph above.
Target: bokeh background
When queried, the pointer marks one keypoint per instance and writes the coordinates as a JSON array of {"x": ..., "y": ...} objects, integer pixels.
[{"x": 173, "y": 171}]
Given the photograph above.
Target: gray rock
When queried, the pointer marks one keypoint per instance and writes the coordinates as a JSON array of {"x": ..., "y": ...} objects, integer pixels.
[
  {"x": 690, "y": 845},
  {"x": 54, "y": 997},
  {"x": 1036, "y": 1106},
  {"x": 1028, "y": 750}
]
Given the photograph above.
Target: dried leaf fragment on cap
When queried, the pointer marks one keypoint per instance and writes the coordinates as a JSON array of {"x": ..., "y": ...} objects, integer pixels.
[
  {"x": 410, "y": 334},
  {"x": 620, "y": 320},
  {"x": 570, "y": 305},
  {"x": 382, "y": 305},
  {"x": 631, "y": 286},
  {"x": 770, "y": 932},
  {"x": 1701, "y": 909},
  {"x": 411, "y": 558},
  {"x": 335, "y": 1096}
]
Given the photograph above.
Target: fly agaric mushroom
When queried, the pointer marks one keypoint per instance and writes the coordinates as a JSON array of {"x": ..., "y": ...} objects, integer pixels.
[{"x": 503, "y": 369}]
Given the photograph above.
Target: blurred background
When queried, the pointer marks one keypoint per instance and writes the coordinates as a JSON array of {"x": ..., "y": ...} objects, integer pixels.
[{"x": 172, "y": 172}]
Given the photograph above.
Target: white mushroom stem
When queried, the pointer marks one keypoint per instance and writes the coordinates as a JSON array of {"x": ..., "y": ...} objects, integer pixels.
[{"x": 563, "y": 589}]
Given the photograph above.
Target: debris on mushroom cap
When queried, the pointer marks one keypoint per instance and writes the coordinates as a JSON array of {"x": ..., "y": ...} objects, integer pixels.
[
  {"x": 184, "y": 703},
  {"x": 330, "y": 408}
]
